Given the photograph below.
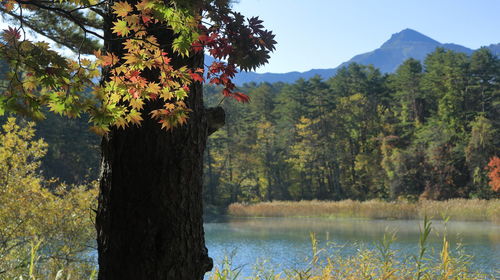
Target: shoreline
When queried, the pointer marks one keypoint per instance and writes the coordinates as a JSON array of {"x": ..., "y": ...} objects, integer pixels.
[{"x": 454, "y": 209}]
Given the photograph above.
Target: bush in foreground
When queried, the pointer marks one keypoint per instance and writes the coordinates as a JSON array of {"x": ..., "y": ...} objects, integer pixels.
[
  {"x": 379, "y": 264},
  {"x": 46, "y": 229}
]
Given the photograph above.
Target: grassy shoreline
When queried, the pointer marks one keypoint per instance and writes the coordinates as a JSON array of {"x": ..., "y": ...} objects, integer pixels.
[
  {"x": 455, "y": 209},
  {"x": 380, "y": 263}
]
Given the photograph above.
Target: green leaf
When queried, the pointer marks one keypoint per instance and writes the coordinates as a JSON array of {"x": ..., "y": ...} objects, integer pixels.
[
  {"x": 57, "y": 107},
  {"x": 121, "y": 28}
]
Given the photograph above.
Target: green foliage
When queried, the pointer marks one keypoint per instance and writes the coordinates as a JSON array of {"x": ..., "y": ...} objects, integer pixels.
[
  {"x": 363, "y": 135},
  {"x": 42, "y": 233},
  {"x": 478, "y": 152}
]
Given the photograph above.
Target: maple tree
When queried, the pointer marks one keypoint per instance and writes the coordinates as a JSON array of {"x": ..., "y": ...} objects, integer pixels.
[
  {"x": 494, "y": 173},
  {"x": 44, "y": 77},
  {"x": 147, "y": 105}
]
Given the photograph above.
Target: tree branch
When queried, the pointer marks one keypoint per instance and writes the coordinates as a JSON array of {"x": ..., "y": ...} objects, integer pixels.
[
  {"x": 64, "y": 13},
  {"x": 216, "y": 118},
  {"x": 40, "y": 31}
]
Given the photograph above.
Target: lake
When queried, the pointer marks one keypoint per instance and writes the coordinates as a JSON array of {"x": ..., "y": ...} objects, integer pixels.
[{"x": 285, "y": 242}]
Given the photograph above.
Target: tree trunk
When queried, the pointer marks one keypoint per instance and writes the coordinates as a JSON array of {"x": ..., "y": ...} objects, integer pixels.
[{"x": 149, "y": 220}]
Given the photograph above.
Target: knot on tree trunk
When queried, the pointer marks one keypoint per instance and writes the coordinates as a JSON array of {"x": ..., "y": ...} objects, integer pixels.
[{"x": 216, "y": 118}]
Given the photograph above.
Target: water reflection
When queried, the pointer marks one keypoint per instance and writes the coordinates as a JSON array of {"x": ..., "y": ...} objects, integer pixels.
[{"x": 285, "y": 242}]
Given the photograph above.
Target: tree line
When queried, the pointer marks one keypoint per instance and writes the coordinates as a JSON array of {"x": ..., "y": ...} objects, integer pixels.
[{"x": 429, "y": 130}]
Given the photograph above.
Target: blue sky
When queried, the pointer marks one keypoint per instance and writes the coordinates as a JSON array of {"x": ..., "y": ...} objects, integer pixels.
[{"x": 325, "y": 33}]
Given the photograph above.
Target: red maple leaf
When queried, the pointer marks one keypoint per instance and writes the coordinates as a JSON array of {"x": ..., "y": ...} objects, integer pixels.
[
  {"x": 196, "y": 77},
  {"x": 241, "y": 97}
]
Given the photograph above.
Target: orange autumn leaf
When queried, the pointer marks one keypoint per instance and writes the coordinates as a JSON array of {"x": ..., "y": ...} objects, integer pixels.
[{"x": 494, "y": 173}]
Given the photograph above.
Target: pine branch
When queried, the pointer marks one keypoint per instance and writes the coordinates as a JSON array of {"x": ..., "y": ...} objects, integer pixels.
[
  {"x": 69, "y": 15},
  {"x": 58, "y": 40}
]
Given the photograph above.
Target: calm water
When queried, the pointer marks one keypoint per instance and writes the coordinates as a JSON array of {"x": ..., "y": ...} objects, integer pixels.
[{"x": 285, "y": 242}]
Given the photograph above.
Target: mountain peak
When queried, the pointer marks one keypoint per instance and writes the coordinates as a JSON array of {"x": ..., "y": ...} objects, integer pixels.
[
  {"x": 408, "y": 36},
  {"x": 405, "y": 44}
]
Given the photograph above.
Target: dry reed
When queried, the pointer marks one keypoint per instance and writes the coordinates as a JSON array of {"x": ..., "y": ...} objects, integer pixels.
[{"x": 455, "y": 209}]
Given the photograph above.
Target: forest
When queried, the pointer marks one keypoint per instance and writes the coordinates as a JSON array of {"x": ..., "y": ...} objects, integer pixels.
[
  {"x": 426, "y": 131},
  {"x": 430, "y": 130}
]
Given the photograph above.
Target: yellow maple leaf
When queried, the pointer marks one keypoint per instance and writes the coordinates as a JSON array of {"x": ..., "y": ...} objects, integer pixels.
[
  {"x": 154, "y": 88},
  {"x": 99, "y": 130},
  {"x": 169, "y": 106},
  {"x": 136, "y": 103},
  {"x": 133, "y": 22},
  {"x": 120, "y": 28},
  {"x": 121, "y": 123},
  {"x": 131, "y": 58},
  {"x": 166, "y": 94},
  {"x": 166, "y": 124},
  {"x": 134, "y": 117},
  {"x": 122, "y": 9}
]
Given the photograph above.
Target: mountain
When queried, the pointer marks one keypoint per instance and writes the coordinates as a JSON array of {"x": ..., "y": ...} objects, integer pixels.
[
  {"x": 495, "y": 49},
  {"x": 401, "y": 46},
  {"x": 290, "y": 77}
]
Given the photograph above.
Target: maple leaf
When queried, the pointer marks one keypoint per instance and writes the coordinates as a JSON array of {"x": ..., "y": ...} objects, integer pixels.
[
  {"x": 197, "y": 47},
  {"x": 11, "y": 34},
  {"x": 122, "y": 9},
  {"x": 134, "y": 92},
  {"x": 99, "y": 130},
  {"x": 153, "y": 88},
  {"x": 56, "y": 107},
  {"x": 196, "y": 77},
  {"x": 182, "y": 118},
  {"x": 9, "y": 5},
  {"x": 136, "y": 103},
  {"x": 121, "y": 123},
  {"x": 120, "y": 28},
  {"x": 156, "y": 114},
  {"x": 169, "y": 106},
  {"x": 166, "y": 94},
  {"x": 135, "y": 23},
  {"x": 125, "y": 88},
  {"x": 146, "y": 19},
  {"x": 30, "y": 83},
  {"x": 241, "y": 97},
  {"x": 132, "y": 58},
  {"x": 134, "y": 117},
  {"x": 145, "y": 5},
  {"x": 165, "y": 124},
  {"x": 215, "y": 81}
]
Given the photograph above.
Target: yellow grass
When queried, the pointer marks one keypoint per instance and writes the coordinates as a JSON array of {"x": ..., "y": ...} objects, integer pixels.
[
  {"x": 455, "y": 209},
  {"x": 381, "y": 263}
]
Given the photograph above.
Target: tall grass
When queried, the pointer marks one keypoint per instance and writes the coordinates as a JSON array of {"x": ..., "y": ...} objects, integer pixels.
[
  {"x": 381, "y": 263},
  {"x": 455, "y": 209}
]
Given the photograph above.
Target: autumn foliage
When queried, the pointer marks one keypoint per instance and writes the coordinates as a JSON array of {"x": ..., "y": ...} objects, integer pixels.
[
  {"x": 143, "y": 72},
  {"x": 494, "y": 173},
  {"x": 41, "y": 220}
]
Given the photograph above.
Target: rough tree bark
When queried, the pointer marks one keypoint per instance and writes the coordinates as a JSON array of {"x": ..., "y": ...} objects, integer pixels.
[{"x": 149, "y": 220}]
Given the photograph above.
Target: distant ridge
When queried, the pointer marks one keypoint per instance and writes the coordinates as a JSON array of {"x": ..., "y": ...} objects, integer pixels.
[{"x": 402, "y": 45}]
